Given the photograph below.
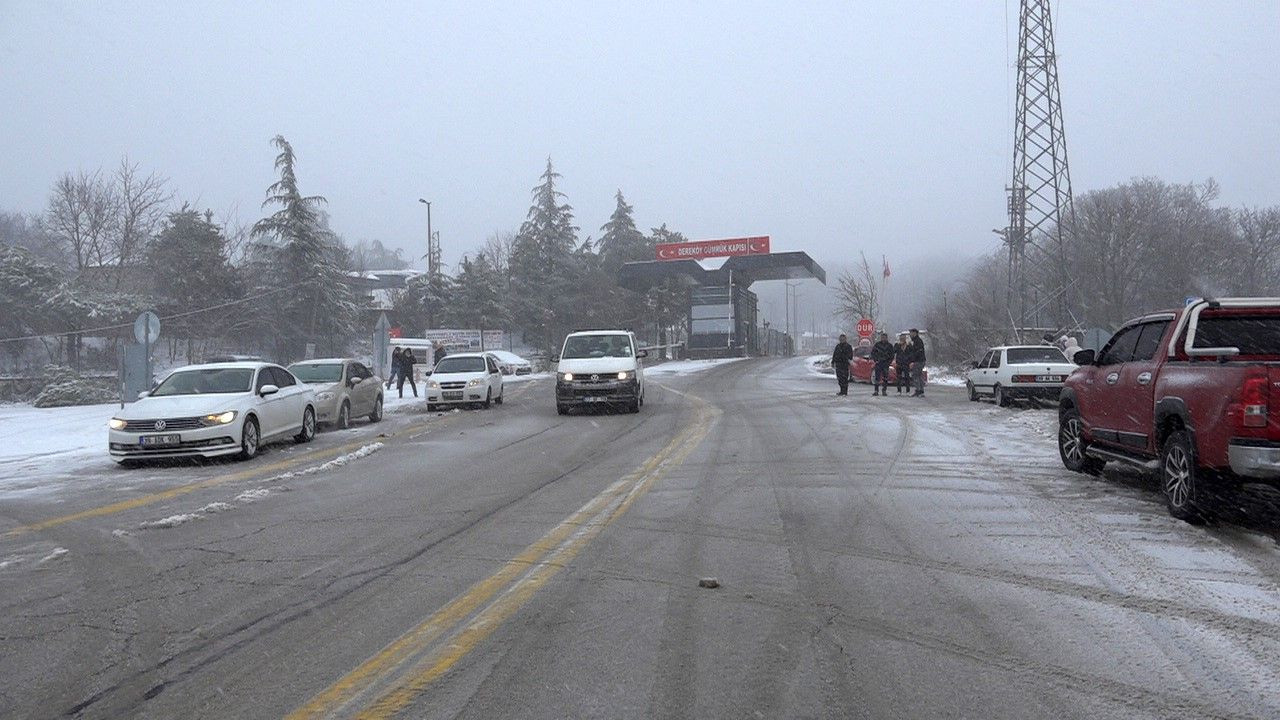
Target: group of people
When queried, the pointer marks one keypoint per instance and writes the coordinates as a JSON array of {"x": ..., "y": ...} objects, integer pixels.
[
  {"x": 907, "y": 357},
  {"x": 402, "y": 362}
]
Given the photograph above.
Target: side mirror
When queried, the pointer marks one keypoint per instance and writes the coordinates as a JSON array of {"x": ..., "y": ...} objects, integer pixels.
[
  {"x": 268, "y": 390},
  {"x": 1084, "y": 357},
  {"x": 642, "y": 353},
  {"x": 144, "y": 393},
  {"x": 555, "y": 358},
  {"x": 354, "y": 381}
]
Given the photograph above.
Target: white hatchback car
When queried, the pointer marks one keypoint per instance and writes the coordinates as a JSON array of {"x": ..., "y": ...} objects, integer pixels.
[
  {"x": 465, "y": 379},
  {"x": 214, "y": 409},
  {"x": 1014, "y": 372}
]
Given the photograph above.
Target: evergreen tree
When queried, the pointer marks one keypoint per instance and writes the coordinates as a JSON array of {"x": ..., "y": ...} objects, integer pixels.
[
  {"x": 191, "y": 267},
  {"x": 479, "y": 302},
  {"x": 298, "y": 252},
  {"x": 621, "y": 241},
  {"x": 543, "y": 265},
  {"x": 425, "y": 303},
  {"x": 666, "y": 304}
]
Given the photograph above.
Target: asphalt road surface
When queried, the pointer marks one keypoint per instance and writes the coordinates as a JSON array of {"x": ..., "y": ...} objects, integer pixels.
[{"x": 876, "y": 558}]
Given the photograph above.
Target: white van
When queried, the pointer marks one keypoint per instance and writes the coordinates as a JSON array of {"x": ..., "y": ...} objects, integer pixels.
[{"x": 600, "y": 367}]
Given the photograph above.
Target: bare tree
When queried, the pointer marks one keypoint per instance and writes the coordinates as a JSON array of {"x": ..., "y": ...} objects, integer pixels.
[
  {"x": 82, "y": 210},
  {"x": 497, "y": 247},
  {"x": 858, "y": 293},
  {"x": 141, "y": 205}
]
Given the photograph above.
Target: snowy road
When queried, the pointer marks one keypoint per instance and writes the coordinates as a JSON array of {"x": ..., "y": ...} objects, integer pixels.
[{"x": 877, "y": 557}]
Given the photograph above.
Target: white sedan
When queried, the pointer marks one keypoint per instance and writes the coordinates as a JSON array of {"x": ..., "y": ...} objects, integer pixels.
[
  {"x": 465, "y": 379},
  {"x": 214, "y": 409},
  {"x": 511, "y": 363},
  {"x": 1014, "y": 372}
]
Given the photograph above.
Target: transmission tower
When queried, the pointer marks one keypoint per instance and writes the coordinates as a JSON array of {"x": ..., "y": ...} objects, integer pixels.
[{"x": 1041, "y": 214}]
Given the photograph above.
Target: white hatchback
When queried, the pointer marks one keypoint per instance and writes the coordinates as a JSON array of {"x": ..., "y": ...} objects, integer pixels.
[
  {"x": 1014, "y": 372},
  {"x": 214, "y": 409},
  {"x": 465, "y": 379}
]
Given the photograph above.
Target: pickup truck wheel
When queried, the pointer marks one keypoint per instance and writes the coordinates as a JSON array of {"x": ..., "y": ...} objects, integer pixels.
[
  {"x": 1179, "y": 476},
  {"x": 1001, "y": 399},
  {"x": 973, "y": 391},
  {"x": 1072, "y": 445}
]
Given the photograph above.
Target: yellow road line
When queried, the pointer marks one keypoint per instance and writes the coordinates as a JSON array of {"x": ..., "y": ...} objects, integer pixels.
[{"x": 561, "y": 543}]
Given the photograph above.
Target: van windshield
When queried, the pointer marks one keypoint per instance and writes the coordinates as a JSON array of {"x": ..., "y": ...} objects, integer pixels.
[{"x": 596, "y": 346}]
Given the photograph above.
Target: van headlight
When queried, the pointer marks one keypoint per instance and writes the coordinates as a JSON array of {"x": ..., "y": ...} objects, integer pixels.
[
  {"x": 116, "y": 423},
  {"x": 626, "y": 375},
  {"x": 567, "y": 377},
  {"x": 219, "y": 418}
]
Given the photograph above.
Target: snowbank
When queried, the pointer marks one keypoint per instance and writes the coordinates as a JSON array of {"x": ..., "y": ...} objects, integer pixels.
[{"x": 686, "y": 367}]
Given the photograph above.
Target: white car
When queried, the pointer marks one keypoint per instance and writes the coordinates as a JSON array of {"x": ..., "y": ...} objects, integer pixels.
[
  {"x": 465, "y": 379},
  {"x": 214, "y": 409},
  {"x": 344, "y": 387},
  {"x": 511, "y": 363},
  {"x": 1014, "y": 372}
]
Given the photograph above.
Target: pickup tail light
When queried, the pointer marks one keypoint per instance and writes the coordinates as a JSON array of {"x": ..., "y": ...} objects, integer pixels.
[{"x": 1253, "y": 401}]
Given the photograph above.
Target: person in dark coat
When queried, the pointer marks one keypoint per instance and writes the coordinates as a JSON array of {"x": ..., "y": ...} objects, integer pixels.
[
  {"x": 917, "y": 361},
  {"x": 407, "y": 361},
  {"x": 395, "y": 367},
  {"x": 882, "y": 355},
  {"x": 840, "y": 360},
  {"x": 902, "y": 361}
]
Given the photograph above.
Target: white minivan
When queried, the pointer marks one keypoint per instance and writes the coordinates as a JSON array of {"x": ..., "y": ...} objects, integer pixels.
[{"x": 600, "y": 368}]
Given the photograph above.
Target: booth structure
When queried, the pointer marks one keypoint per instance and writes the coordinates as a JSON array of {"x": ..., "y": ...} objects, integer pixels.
[{"x": 723, "y": 311}]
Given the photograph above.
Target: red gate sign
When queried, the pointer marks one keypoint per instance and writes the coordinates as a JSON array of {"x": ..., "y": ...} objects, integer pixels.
[
  {"x": 714, "y": 248},
  {"x": 866, "y": 328}
]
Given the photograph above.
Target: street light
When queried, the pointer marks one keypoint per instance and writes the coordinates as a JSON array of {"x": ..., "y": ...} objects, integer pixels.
[{"x": 431, "y": 240}]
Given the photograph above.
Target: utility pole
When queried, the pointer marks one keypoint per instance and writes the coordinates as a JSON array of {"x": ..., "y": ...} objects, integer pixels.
[
  {"x": 433, "y": 245},
  {"x": 1041, "y": 213}
]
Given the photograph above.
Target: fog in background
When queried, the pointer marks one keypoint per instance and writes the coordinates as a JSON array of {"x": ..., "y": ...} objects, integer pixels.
[{"x": 835, "y": 128}]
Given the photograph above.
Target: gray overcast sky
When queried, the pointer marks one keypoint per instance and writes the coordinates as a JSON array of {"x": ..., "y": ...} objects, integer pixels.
[{"x": 833, "y": 127}]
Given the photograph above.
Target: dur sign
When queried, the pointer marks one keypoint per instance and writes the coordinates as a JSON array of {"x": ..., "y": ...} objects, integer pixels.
[{"x": 702, "y": 249}]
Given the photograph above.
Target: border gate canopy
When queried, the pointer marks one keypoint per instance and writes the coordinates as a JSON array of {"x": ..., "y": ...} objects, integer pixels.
[{"x": 744, "y": 269}]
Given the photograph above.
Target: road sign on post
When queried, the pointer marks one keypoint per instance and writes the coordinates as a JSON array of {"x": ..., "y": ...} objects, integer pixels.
[
  {"x": 381, "y": 341},
  {"x": 866, "y": 328},
  {"x": 146, "y": 330}
]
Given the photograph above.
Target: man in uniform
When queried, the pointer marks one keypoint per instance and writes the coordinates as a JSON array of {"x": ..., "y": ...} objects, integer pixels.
[{"x": 840, "y": 360}]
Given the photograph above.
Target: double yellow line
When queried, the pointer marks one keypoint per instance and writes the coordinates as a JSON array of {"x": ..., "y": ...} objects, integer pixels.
[{"x": 392, "y": 679}]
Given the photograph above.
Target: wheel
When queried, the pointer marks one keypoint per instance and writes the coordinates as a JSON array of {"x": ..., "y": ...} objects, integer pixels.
[
  {"x": 1179, "y": 476},
  {"x": 431, "y": 407},
  {"x": 1072, "y": 445},
  {"x": 562, "y": 409},
  {"x": 376, "y": 415},
  {"x": 1000, "y": 397},
  {"x": 488, "y": 399},
  {"x": 249, "y": 438},
  {"x": 498, "y": 400},
  {"x": 973, "y": 391},
  {"x": 634, "y": 406},
  {"x": 344, "y": 416},
  {"x": 308, "y": 431}
]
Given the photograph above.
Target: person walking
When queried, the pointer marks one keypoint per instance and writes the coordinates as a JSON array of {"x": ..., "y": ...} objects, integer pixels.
[
  {"x": 395, "y": 367},
  {"x": 407, "y": 361},
  {"x": 840, "y": 360},
  {"x": 917, "y": 362},
  {"x": 902, "y": 361},
  {"x": 882, "y": 355}
]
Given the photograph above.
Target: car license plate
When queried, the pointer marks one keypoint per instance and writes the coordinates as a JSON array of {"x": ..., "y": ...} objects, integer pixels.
[
  {"x": 456, "y": 395},
  {"x": 159, "y": 440},
  {"x": 595, "y": 398},
  {"x": 1048, "y": 378}
]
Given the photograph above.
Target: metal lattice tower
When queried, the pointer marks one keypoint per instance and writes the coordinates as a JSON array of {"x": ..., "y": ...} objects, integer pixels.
[{"x": 1041, "y": 214}]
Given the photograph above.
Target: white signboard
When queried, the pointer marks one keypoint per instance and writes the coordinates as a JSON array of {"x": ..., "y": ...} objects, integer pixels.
[{"x": 470, "y": 339}]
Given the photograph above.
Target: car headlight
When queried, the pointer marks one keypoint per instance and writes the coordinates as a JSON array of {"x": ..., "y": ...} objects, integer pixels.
[
  {"x": 433, "y": 384},
  {"x": 219, "y": 418},
  {"x": 624, "y": 375},
  {"x": 567, "y": 377},
  {"x": 115, "y": 424},
  {"x": 324, "y": 396},
  {"x": 474, "y": 383}
]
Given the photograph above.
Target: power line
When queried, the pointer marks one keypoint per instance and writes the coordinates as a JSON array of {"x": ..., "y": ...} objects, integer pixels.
[{"x": 175, "y": 316}]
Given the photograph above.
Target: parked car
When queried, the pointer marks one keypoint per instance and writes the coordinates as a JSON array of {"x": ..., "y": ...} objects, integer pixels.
[
  {"x": 1019, "y": 372},
  {"x": 600, "y": 367},
  {"x": 1187, "y": 394},
  {"x": 344, "y": 387},
  {"x": 862, "y": 369},
  {"x": 465, "y": 379},
  {"x": 511, "y": 363},
  {"x": 214, "y": 409},
  {"x": 231, "y": 358}
]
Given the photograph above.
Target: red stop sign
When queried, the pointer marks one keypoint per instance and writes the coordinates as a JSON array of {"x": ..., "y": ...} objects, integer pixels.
[{"x": 866, "y": 327}]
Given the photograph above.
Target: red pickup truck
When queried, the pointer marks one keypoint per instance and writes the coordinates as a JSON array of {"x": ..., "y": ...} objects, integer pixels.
[{"x": 1186, "y": 393}]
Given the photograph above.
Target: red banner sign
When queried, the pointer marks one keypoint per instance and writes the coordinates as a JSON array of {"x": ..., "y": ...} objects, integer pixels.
[{"x": 714, "y": 248}]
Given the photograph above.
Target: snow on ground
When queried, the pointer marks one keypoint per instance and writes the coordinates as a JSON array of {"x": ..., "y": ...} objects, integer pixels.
[
  {"x": 946, "y": 377},
  {"x": 819, "y": 365},
  {"x": 34, "y": 440},
  {"x": 686, "y": 367}
]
